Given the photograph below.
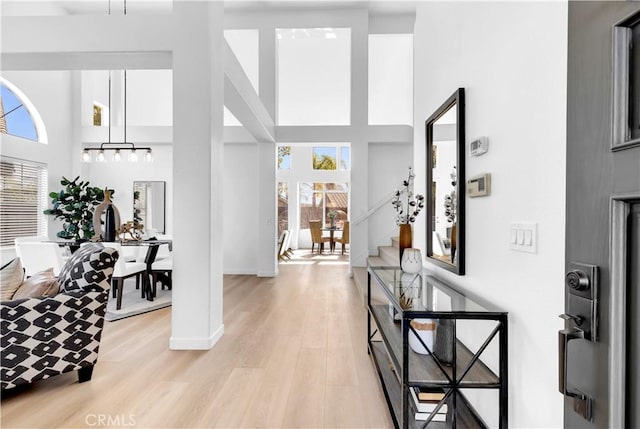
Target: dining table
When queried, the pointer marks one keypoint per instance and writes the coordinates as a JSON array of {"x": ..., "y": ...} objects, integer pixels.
[
  {"x": 152, "y": 246},
  {"x": 332, "y": 230}
]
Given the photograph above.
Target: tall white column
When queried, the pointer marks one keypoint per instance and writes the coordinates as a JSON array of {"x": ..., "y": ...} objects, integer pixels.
[
  {"x": 267, "y": 184},
  {"x": 359, "y": 247},
  {"x": 267, "y": 211},
  {"x": 198, "y": 95}
]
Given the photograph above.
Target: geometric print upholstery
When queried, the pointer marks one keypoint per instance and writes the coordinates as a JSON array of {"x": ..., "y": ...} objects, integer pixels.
[
  {"x": 42, "y": 337},
  {"x": 90, "y": 267}
]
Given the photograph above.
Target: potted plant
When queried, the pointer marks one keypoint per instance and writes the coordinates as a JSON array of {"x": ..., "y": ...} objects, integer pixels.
[
  {"x": 408, "y": 205},
  {"x": 74, "y": 205},
  {"x": 332, "y": 218}
]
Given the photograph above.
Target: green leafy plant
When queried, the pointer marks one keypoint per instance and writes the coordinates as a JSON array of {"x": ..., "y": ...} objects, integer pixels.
[
  {"x": 74, "y": 205},
  {"x": 324, "y": 162}
]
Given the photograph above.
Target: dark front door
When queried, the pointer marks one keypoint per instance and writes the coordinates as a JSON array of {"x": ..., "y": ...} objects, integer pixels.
[{"x": 598, "y": 348}]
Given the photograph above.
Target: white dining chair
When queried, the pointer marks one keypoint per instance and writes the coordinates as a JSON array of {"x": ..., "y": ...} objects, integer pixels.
[
  {"x": 28, "y": 239},
  {"x": 124, "y": 270},
  {"x": 39, "y": 256}
]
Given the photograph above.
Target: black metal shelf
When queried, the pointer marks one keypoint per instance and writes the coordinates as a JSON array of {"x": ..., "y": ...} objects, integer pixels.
[
  {"x": 423, "y": 368},
  {"x": 392, "y": 355}
]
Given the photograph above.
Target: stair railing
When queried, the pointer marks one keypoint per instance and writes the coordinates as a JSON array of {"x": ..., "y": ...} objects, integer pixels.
[{"x": 374, "y": 209}]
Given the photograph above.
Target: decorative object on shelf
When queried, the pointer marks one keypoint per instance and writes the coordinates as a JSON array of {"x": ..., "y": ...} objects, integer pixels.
[
  {"x": 75, "y": 205},
  {"x": 407, "y": 207},
  {"x": 406, "y": 295},
  {"x": 406, "y": 301},
  {"x": 405, "y": 239},
  {"x": 112, "y": 218},
  {"x": 134, "y": 230},
  {"x": 411, "y": 261},
  {"x": 424, "y": 328},
  {"x": 109, "y": 224},
  {"x": 117, "y": 147},
  {"x": 443, "y": 346}
]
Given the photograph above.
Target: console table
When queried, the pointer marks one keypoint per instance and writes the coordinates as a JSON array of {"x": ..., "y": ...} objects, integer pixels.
[{"x": 401, "y": 369}]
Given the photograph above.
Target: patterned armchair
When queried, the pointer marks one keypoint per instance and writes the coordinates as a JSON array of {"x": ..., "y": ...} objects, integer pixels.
[{"x": 46, "y": 336}]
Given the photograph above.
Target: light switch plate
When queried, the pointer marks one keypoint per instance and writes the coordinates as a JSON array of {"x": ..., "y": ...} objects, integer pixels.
[{"x": 526, "y": 237}]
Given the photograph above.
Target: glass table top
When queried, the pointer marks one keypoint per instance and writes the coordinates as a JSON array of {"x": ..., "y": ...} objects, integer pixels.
[{"x": 422, "y": 292}]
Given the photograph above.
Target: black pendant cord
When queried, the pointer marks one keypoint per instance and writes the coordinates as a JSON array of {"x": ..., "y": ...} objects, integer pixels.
[
  {"x": 125, "y": 7},
  {"x": 109, "y": 106},
  {"x": 125, "y": 107}
]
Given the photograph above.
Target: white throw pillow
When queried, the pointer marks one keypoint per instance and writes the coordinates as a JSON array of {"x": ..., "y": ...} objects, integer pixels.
[{"x": 11, "y": 277}]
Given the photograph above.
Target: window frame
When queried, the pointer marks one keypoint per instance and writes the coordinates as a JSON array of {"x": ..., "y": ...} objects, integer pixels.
[{"x": 34, "y": 115}]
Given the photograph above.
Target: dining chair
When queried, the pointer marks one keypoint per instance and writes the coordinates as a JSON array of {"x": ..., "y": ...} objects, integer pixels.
[
  {"x": 28, "y": 239},
  {"x": 164, "y": 251},
  {"x": 281, "y": 243},
  {"x": 316, "y": 235},
  {"x": 161, "y": 268},
  {"x": 344, "y": 239},
  {"x": 39, "y": 256},
  {"x": 285, "y": 240},
  {"x": 287, "y": 245},
  {"x": 124, "y": 270}
]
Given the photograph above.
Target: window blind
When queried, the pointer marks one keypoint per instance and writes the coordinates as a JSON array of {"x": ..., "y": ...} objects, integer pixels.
[{"x": 23, "y": 198}]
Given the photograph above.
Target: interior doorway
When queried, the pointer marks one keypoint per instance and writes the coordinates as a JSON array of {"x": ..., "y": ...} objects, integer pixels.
[{"x": 313, "y": 184}]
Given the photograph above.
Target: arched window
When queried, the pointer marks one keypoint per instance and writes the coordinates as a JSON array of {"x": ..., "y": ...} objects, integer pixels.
[{"x": 18, "y": 116}]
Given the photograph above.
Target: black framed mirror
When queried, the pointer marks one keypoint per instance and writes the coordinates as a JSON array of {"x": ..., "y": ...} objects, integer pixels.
[
  {"x": 446, "y": 184},
  {"x": 149, "y": 206}
]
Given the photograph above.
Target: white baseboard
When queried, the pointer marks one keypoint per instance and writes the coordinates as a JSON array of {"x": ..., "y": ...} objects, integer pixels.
[
  {"x": 196, "y": 343},
  {"x": 267, "y": 273},
  {"x": 241, "y": 272}
]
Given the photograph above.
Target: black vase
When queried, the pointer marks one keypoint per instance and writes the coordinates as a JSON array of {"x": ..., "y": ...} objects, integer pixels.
[
  {"x": 443, "y": 342},
  {"x": 110, "y": 224}
]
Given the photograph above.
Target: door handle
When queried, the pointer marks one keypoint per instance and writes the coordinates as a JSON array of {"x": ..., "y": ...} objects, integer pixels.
[{"x": 582, "y": 403}]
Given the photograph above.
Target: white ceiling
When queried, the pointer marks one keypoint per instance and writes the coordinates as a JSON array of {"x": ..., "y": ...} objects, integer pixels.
[{"x": 87, "y": 7}]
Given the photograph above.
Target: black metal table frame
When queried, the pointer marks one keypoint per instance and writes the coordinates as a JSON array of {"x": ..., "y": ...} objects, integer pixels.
[{"x": 454, "y": 384}]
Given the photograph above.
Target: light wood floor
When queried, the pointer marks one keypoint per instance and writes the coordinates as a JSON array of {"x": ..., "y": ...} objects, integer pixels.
[{"x": 293, "y": 356}]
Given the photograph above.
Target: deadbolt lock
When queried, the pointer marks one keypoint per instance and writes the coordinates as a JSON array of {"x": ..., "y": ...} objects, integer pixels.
[
  {"x": 581, "y": 324},
  {"x": 581, "y": 282},
  {"x": 578, "y": 280}
]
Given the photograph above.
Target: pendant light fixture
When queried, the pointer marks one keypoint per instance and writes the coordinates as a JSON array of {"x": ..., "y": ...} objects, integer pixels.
[{"x": 117, "y": 147}]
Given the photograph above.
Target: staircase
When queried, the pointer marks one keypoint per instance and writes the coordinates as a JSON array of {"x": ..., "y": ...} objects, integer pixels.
[{"x": 388, "y": 256}]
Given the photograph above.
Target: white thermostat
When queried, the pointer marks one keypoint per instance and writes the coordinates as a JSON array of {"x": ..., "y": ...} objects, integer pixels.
[
  {"x": 479, "y": 186},
  {"x": 479, "y": 146}
]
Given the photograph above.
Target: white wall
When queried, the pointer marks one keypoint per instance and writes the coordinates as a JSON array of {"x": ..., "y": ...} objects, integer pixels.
[
  {"x": 239, "y": 205},
  {"x": 388, "y": 167},
  {"x": 391, "y": 79},
  {"x": 50, "y": 92},
  {"x": 511, "y": 59},
  {"x": 149, "y": 97}
]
